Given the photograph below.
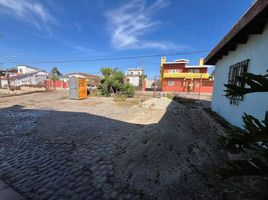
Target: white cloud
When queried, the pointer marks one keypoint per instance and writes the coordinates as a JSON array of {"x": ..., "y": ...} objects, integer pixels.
[
  {"x": 130, "y": 22},
  {"x": 28, "y": 11}
]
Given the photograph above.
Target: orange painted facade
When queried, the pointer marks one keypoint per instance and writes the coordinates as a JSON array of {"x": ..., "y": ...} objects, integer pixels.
[{"x": 82, "y": 88}]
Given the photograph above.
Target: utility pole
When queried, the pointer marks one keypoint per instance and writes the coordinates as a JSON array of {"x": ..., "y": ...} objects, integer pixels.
[
  {"x": 200, "y": 85},
  {"x": 154, "y": 86},
  {"x": 0, "y": 79},
  {"x": 1, "y": 73},
  {"x": 8, "y": 82}
]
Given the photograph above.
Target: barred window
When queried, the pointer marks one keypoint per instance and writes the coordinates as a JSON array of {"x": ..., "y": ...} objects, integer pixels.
[
  {"x": 234, "y": 71},
  {"x": 170, "y": 82}
]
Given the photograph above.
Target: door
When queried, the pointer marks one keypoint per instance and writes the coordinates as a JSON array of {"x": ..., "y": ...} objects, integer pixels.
[{"x": 82, "y": 88}]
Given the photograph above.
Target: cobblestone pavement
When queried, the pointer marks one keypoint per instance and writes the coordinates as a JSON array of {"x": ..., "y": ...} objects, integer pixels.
[
  {"x": 48, "y": 154},
  {"x": 53, "y": 148}
]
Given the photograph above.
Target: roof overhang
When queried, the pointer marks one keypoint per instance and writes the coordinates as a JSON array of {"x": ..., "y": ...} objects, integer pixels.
[{"x": 253, "y": 22}]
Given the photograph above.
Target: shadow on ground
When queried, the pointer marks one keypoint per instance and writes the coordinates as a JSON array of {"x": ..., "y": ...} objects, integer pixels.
[{"x": 47, "y": 154}]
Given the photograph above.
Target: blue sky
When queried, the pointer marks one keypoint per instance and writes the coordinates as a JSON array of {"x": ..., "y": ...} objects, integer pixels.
[{"x": 52, "y": 30}]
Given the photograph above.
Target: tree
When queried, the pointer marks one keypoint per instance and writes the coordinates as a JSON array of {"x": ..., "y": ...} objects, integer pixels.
[
  {"x": 113, "y": 83},
  {"x": 142, "y": 81},
  {"x": 13, "y": 70},
  {"x": 1, "y": 74},
  {"x": 106, "y": 72},
  {"x": 55, "y": 72},
  {"x": 252, "y": 141}
]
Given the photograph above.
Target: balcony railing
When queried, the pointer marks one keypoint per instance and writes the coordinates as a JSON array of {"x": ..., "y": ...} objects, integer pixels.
[{"x": 186, "y": 75}]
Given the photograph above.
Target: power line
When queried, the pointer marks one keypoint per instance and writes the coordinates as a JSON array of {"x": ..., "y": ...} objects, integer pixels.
[
  {"x": 29, "y": 55},
  {"x": 108, "y": 59}
]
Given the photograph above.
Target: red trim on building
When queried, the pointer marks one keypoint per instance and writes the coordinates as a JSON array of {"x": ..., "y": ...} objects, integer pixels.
[{"x": 200, "y": 85}]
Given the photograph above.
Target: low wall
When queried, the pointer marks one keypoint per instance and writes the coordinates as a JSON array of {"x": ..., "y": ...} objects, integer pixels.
[
  {"x": 55, "y": 85},
  {"x": 192, "y": 86}
]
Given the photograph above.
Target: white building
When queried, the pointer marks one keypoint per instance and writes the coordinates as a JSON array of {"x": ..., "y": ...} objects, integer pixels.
[
  {"x": 26, "y": 75},
  {"x": 133, "y": 76},
  {"x": 24, "y": 69},
  {"x": 243, "y": 49},
  {"x": 134, "y": 71}
]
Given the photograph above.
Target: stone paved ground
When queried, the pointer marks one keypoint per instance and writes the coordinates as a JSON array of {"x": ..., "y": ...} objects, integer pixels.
[
  {"x": 60, "y": 155},
  {"x": 54, "y": 148},
  {"x": 7, "y": 193}
]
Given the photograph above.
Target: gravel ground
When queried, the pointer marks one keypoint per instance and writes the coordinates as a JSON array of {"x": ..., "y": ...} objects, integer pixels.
[{"x": 55, "y": 148}]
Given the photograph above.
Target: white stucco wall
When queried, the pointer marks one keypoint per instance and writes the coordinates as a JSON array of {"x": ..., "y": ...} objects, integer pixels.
[
  {"x": 25, "y": 70},
  {"x": 256, "y": 104},
  {"x": 30, "y": 80},
  {"x": 134, "y": 80},
  {"x": 149, "y": 83},
  {"x": 134, "y": 72}
]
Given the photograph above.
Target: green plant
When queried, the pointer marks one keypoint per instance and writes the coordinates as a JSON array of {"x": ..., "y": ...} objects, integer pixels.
[
  {"x": 98, "y": 93},
  {"x": 128, "y": 90},
  {"x": 55, "y": 72},
  {"x": 170, "y": 96},
  {"x": 53, "y": 77},
  {"x": 113, "y": 83}
]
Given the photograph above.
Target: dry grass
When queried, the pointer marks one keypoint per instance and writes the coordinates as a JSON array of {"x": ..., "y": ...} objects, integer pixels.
[
  {"x": 63, "y": 97},
  {"x": 90, "y": 103},
  {"x": 119, "y": 98}
]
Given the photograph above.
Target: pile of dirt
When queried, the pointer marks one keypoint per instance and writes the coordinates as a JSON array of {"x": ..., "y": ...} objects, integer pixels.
[{"x": 168, "y": 160}]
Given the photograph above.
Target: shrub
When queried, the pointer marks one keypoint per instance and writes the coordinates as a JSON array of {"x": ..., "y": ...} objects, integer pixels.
[
  {"x": 129, "y": 90},
  {"x": 170, "y": 96},
  {"x": 113, "y": 83}
]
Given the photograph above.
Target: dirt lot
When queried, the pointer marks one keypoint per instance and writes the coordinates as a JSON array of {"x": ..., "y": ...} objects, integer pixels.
[
  {"x": 23, "y": 90},
  {"x": 144, "y": 148}
]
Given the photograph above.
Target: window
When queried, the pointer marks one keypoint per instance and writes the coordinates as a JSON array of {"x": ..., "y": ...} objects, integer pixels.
[
  {"x": 234, "y": 71},
  {"x": 170, "y": 82},
  {"x": 172, "y": 71},
  {"x": 194, "y": 70}
]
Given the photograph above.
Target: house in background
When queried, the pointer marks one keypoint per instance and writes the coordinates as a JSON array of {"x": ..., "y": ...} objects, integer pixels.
[
  {"x": 178, "y": 76},
  {"x": 243, "y": 49},
  {"x": 25, "y": 76},
  {"x": 152, "y": 84},
  {"x": 133, "y": 76},
  {"x": 91, "y": 79},
  {"x": 25, "y": 69},
  {"x": 2, "y": 75}
]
